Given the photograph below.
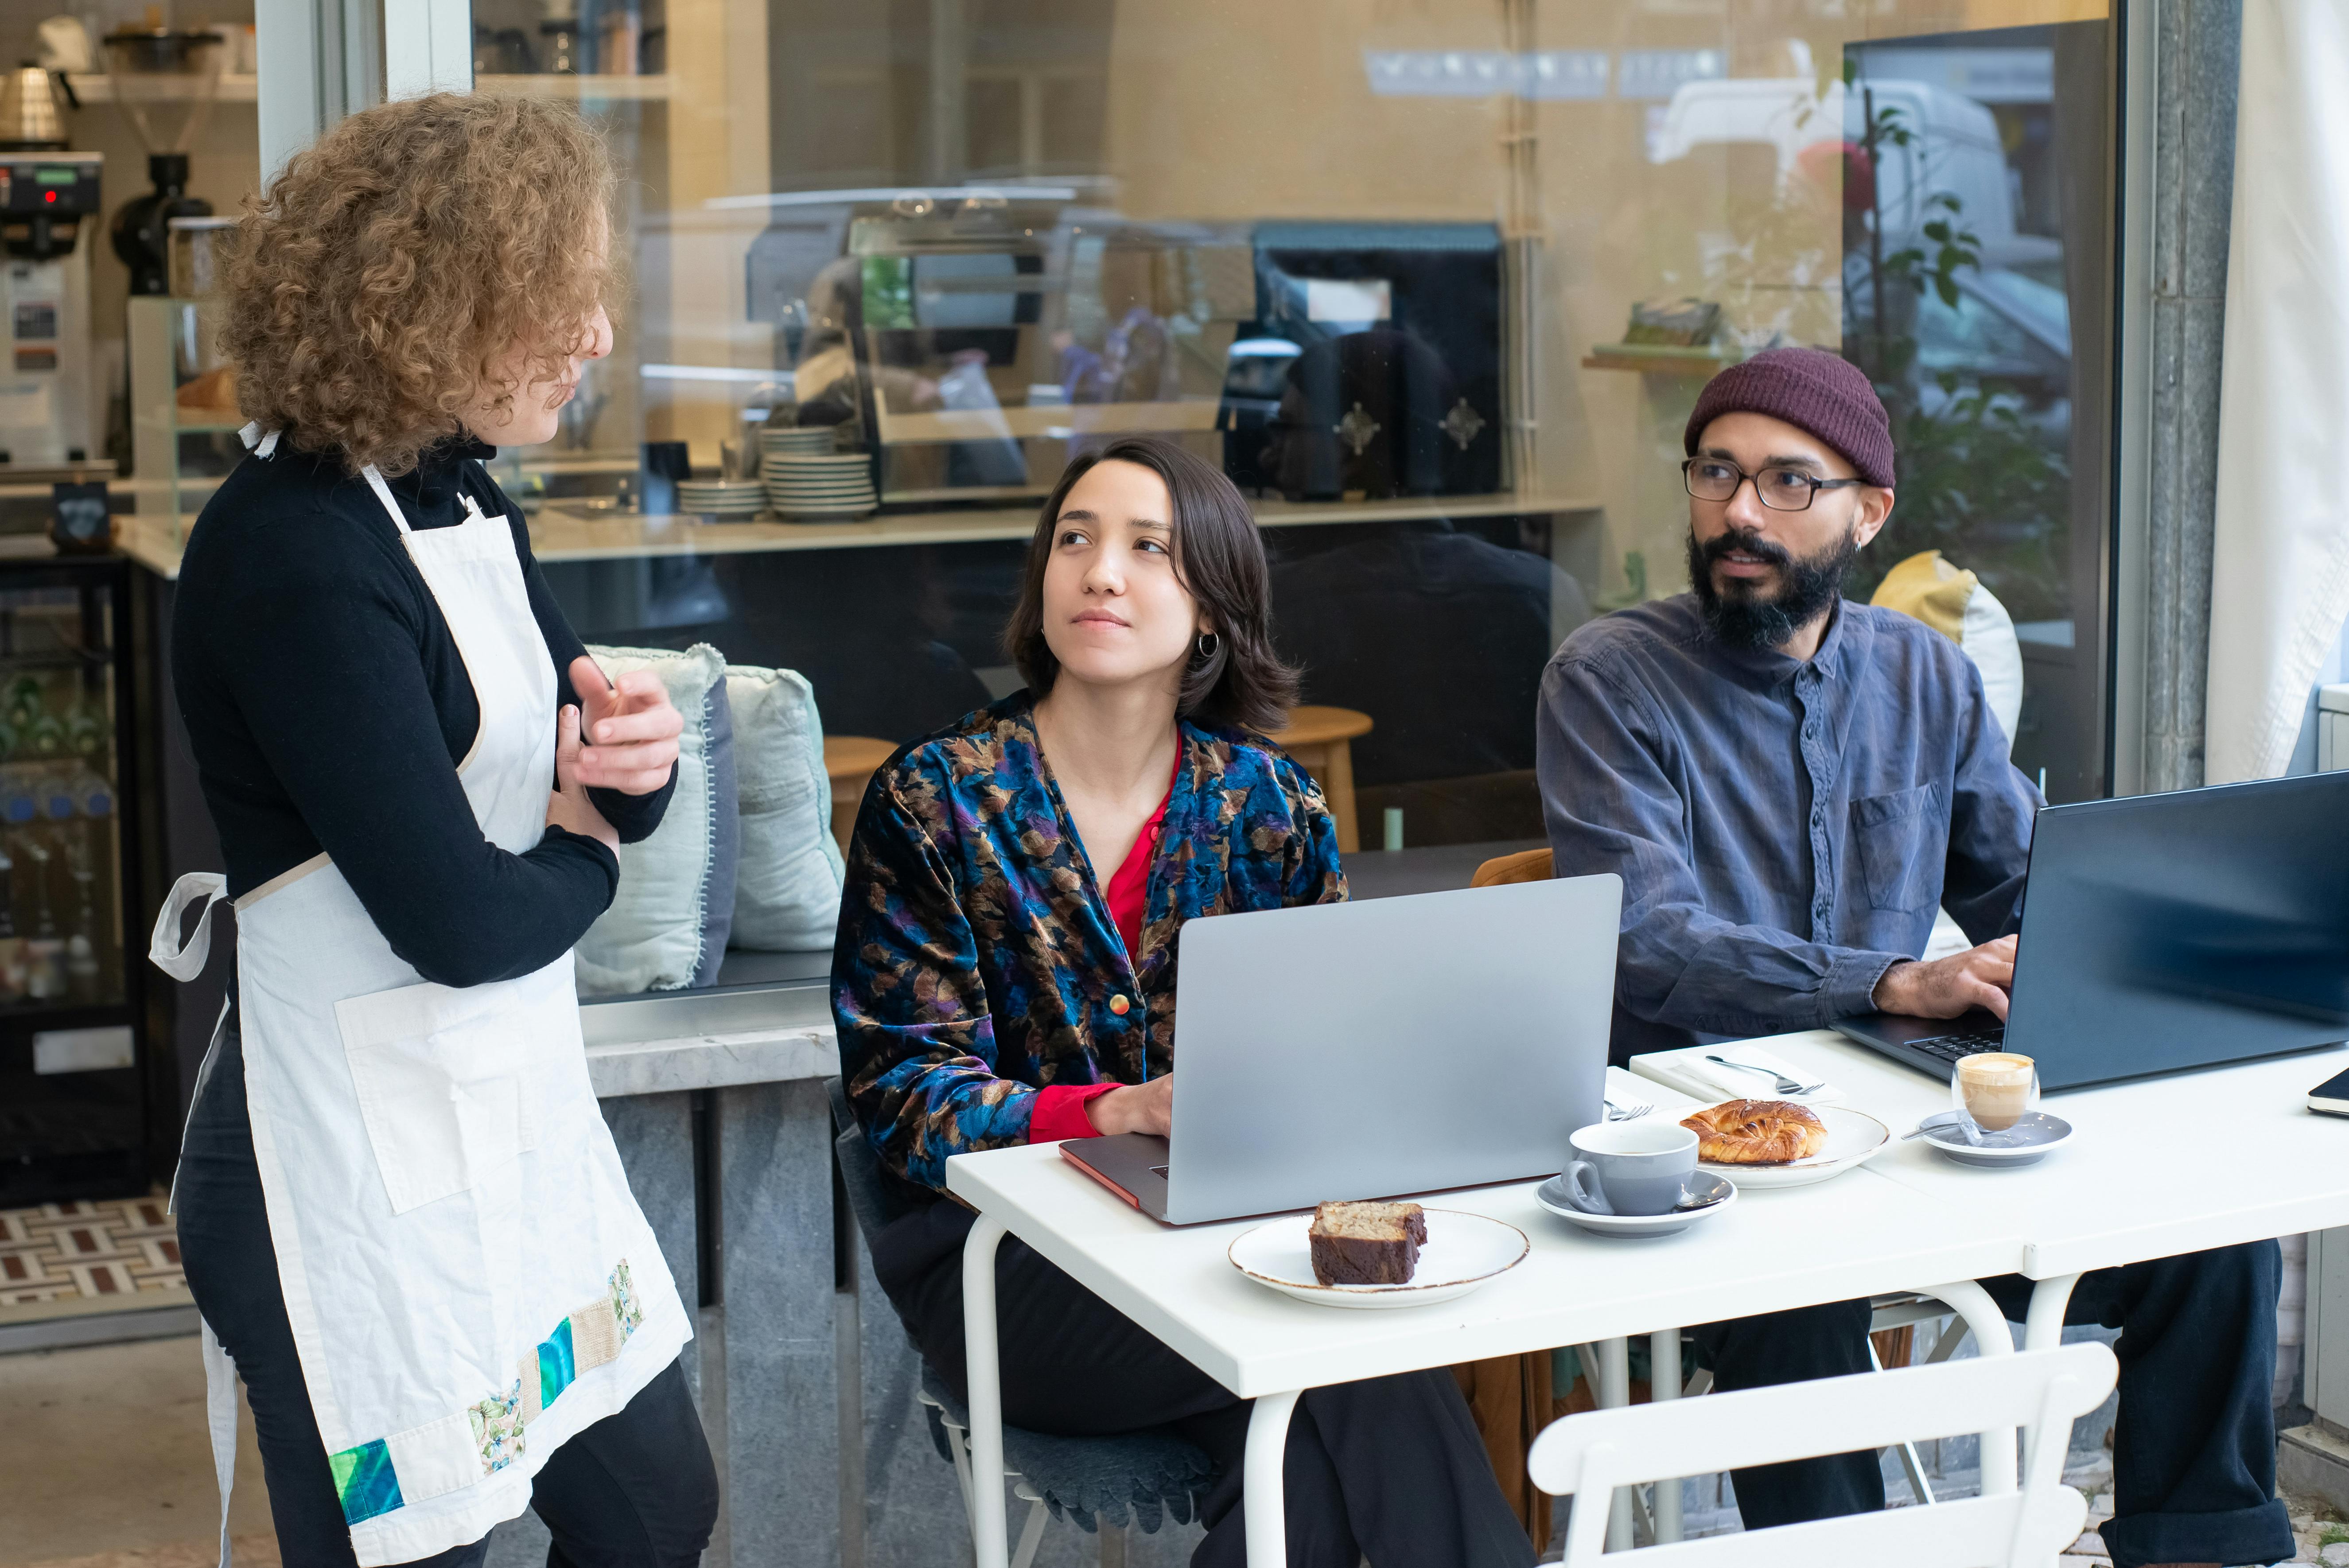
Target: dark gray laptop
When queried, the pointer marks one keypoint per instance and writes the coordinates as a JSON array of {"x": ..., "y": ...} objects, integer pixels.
[
  {"x": 2167, "y": 931},
  {"x": 1374, "y": 1049}
]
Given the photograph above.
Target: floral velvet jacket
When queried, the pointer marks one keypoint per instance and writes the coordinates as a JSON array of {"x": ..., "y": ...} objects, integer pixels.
[{"x": 976, "y": 961}]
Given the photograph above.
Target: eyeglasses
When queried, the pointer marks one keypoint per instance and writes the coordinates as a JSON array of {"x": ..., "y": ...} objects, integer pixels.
[{"x": 1779, "y": 489}]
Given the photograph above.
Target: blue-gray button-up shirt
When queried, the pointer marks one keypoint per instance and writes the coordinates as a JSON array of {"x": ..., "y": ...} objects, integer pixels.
[{"x": 1783, "y": 829}]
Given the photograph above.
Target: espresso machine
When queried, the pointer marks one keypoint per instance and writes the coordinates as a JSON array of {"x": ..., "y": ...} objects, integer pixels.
[
  {"x": 973, "y": 339},
  {"x": 48, "y": 223}
]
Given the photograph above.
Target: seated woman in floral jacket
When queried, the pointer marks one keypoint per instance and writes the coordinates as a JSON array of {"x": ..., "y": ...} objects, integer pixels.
[{"x": 1005, "y": 974}]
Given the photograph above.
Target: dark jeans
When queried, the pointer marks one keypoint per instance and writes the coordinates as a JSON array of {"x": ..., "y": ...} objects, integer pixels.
[
  {"x": 1391, "y": 1467},
  {"x": 635, "y": 1490},
  {"x": 2194, "y": 1448}
]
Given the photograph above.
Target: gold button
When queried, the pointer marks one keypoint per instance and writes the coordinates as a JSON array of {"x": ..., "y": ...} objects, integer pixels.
[{"x": 1119, "y": 1005}]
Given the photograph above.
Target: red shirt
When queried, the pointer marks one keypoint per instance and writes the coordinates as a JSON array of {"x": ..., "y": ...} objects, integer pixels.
[{"x": 1060, "y": 1108}]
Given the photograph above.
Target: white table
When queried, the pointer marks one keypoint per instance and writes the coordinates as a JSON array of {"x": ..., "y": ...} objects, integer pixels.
[
  {"x": 2156, "y": 1168},
  {"x": 1858, "y": 1235}
]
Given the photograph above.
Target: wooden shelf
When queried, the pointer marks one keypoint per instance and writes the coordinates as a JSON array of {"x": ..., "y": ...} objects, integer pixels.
[
  {"x": 558, "y": 535},
  {"x": 1658, "y": 360},
  {"x": 607, "y": 88},
  {"x": 100, "y": 88}
]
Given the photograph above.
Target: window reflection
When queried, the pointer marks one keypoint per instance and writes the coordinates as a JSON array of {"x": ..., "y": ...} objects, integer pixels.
[{"x": 1437, "y": 286}]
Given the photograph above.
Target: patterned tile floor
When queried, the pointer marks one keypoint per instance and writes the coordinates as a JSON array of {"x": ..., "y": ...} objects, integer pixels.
[{"x": 95, "y": 1255}]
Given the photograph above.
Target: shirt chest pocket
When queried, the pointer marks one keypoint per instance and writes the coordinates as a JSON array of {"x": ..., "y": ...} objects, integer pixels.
[
  {"x": 444, "y": 1085},
  {"x": 1903, "y": 841}
]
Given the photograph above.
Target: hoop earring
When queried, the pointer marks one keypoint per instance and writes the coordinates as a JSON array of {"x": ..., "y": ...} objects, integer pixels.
[{"x": 1209, "y": 645}]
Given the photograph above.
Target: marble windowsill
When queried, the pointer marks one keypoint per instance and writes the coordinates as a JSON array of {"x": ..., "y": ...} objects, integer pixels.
[
  {"x": 708, "y": 1039},
  {"x": 712, "y": 1061}
]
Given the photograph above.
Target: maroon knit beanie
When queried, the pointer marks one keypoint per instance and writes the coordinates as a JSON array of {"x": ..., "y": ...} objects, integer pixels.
[{"x": 1817, "y": 390}]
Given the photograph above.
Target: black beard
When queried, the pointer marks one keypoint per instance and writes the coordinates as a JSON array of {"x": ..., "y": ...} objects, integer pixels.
[{"x": 1807, "y": 586}]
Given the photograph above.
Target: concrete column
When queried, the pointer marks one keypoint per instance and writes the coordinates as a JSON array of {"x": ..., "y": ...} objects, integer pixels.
[{"x": 2197, "y": 49}]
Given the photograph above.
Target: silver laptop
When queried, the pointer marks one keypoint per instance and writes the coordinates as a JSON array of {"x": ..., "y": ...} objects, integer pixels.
[{"x": 1373, "y": 1049}]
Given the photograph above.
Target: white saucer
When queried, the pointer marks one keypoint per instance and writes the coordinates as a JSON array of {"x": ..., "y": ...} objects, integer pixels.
[
  {"x": 2027, "y": 1142},
  {"x": 1853, "y": 1137},
  {"x": 1720, "y": 1191},
  {"x": 1462, "y": 1251}
]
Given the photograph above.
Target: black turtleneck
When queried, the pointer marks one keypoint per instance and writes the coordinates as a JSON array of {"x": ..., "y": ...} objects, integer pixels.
[{"x": 327, "y": 707}]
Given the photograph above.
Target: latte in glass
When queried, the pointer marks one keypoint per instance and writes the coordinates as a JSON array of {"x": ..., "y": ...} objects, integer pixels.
[{"x": 1996, "y": 1088}]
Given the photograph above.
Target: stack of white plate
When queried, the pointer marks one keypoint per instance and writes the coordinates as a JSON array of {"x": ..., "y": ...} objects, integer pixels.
[
  {"x": 817, "y": 486},
  {"x": 810, "y": 441},
  {"x": 727, "y": 500}
]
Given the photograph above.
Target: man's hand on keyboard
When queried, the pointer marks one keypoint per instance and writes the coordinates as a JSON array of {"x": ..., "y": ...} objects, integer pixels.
[{"x": 1979, "y": 977}]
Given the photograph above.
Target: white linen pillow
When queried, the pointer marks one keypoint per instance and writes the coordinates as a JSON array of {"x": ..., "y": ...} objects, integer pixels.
[
  {"x": 668, "y": 923},
  {"x": 787, "y": 888}
]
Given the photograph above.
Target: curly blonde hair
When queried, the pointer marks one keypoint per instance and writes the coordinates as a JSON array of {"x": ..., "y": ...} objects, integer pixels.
[{"x": 383, "y": 275}]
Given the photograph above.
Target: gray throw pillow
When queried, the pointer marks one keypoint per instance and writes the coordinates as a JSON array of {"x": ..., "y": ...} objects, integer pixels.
[
  {"x": 787, "y": 892},
  {"x": 669, "y": 923}
]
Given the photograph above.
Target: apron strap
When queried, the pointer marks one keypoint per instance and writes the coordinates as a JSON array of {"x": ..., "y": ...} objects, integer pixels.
[
  {"x": 184, "y": 960},
  {"x": 220, "y": 1418},
  {"x": 383, "y": 493},
  {"x": 261, "y": 443}
]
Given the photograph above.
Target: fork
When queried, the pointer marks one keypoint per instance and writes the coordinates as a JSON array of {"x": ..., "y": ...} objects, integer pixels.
[
  {"x": 1616, "y": 1113},
  {"x": 1784, "y": 1085}
]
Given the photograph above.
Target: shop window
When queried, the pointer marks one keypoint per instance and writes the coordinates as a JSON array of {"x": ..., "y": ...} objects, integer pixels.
[{"x": 1382, "y": 265}]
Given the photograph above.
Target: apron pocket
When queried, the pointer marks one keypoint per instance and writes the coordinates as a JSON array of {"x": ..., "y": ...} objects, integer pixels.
[{"x": 443, "y": 1085}]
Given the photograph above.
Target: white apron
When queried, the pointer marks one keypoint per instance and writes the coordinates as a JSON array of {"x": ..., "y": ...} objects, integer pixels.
[{"x": 469, "y": 1279}]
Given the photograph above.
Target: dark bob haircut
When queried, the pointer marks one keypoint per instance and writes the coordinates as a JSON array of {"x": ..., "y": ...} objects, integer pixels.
[{"x": 1218, "y": 558}]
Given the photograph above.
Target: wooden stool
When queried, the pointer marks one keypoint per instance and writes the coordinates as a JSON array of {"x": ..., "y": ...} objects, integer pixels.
[
  {"x": 1320, "y": 739},
  {"x": 850, "y": 762}
]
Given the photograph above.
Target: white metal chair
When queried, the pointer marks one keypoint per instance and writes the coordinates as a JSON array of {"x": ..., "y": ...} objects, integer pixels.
[
  {"x": 1591, "y": 1454},
  {"x": 1658, "y": 1505}
]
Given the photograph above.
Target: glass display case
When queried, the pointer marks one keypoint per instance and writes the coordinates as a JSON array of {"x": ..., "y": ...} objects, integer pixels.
[{"x": 72, "y": 1050}]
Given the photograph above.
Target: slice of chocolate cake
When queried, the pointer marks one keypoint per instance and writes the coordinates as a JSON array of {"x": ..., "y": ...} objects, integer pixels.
[{"x": 1367, "y": 1243}]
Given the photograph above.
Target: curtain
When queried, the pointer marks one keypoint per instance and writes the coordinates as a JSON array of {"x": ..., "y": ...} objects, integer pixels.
[{"x": 2280, "y": 567}]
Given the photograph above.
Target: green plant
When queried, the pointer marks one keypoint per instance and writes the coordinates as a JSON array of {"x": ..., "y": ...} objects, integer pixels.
[
  {"x": 1979, "y": 479},
  {"x": 1981, "y": 483}
]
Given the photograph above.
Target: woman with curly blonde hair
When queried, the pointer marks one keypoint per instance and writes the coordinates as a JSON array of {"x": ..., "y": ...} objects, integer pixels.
[{"x": 400, "y": 1212}]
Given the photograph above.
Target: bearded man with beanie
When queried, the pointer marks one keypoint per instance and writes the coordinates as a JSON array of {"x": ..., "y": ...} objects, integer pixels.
[{"x": 1789, "y": 785}]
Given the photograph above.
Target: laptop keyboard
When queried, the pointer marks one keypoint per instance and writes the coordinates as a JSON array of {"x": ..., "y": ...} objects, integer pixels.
[{"x": 1956, "y": 1048}]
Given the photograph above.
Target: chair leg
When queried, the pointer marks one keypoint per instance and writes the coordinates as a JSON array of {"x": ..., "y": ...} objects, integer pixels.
[
  {"x": 1112, "y": 1542},
  {"x": 1664, "y": 1382},
  {"x": 1606, "y": 1368},
  {"x": 1910, "y": 1465},
  {"x": 1032, "y": 1533},
  {"x": 960, "y": 1450}
]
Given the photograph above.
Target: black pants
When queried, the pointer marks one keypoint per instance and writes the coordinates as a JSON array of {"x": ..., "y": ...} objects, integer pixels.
[
  {"x": 2193, "y": 1450},
  {"x": 635, "y": 1490},
  {"x": 1391, "y": 1467}
]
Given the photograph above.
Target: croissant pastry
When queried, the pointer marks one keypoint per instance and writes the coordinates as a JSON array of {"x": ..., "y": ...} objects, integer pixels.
[{"x": 1756, "y": 1132}]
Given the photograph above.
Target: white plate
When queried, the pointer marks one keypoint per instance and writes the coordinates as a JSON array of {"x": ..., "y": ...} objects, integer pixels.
[
  {"x": 1462, "y": 1251},
  {"x": 1853, "y": 1138},
  {"x": 1551, "y": 1195},
  {"x": 2034, "y": 1136}
]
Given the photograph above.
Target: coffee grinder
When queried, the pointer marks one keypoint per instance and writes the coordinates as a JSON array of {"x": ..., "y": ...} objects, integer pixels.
[
  {"x": 157, "y": 74},
  {"x": 49, "y": 205}
]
